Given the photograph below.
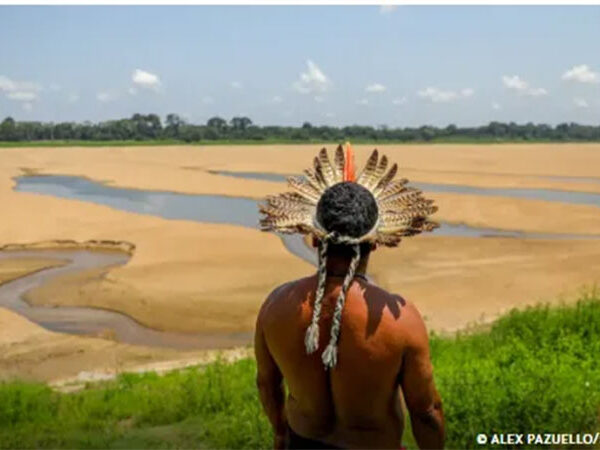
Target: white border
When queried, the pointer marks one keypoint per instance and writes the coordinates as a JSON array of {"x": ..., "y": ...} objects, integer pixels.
[{"x": 299, "y": 2}]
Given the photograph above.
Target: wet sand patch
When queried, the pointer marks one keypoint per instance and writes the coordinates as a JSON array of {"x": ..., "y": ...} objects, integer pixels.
[{"x": 17, "y": 267}]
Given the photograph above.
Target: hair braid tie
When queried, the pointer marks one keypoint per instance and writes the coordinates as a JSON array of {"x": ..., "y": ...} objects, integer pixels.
[
  {"x": 311, "y": 339},
  {"x": 330, "y": 354}
]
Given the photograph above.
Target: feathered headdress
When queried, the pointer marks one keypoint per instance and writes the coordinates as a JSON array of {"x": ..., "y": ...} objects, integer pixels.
[{"x": 402, "y": 211}]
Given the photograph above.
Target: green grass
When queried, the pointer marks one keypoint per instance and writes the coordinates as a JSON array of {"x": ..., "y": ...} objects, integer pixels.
[
  {"x": 269, "y": 141},
  {"x": 536, "y": 370}
]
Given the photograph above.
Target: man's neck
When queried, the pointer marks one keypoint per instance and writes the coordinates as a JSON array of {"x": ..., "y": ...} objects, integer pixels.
[{"x": 337, "y": 266}]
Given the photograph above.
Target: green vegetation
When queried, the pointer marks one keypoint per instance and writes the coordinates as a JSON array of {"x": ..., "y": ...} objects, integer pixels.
[
  {"x": 149, "y": 129},
  {"x": 532, "y": 371}
]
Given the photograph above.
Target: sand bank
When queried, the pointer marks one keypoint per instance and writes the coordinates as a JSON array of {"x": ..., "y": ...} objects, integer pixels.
[
  {"x": 11, "y": 269},
  {"x": 458, "y": 281},
  {"x": 184, "y": 168},
  {"x": 31, "y": 353}
]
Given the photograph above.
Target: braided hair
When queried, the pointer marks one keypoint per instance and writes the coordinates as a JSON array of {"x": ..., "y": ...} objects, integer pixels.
[{"x": 346, "y": 211}]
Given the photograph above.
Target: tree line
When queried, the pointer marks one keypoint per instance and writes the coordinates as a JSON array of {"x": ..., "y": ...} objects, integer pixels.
[{"x": 149, "y": 127}]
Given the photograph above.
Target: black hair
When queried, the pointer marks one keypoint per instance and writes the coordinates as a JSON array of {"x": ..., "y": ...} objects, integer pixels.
[
  {"x": 348, "y": 208},
  {"x": 351, "y": 210}
]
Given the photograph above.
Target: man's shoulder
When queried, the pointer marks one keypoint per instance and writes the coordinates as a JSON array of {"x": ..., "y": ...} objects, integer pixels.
[
  {"x": 402, "y": 311},
  {"x": 412, "y": 323},
  {"x": 285, "y": 290},
  {"x": 373, "y": 292}
]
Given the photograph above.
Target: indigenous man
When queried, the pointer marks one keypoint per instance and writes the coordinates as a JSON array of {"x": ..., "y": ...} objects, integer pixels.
[{"x": 347, "y": 350}]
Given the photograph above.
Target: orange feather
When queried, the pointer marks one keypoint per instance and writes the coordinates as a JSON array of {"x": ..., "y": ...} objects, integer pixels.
[{"x": 349, "y": 171}]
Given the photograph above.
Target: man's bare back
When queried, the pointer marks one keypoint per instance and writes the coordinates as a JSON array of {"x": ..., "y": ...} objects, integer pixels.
[{"x": 383, "y": 352}]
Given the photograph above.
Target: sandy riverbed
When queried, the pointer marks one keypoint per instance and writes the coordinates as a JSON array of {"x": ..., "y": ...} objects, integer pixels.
[
  {"x": 18, "y": 267},
  {"x": 31, "y": 353},
  {"x": 198, "y": 277}
]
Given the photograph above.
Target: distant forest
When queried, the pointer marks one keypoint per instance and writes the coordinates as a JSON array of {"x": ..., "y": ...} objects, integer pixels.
[{"x": 150, "y": 127}]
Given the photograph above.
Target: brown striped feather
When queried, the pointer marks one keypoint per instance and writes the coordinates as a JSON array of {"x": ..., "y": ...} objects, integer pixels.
[
  {"x": 379, "y": 172},
  {"x": 393, "y": 187},
  {"x": 319, "y": 173},
  {"x": 365, "y": 176},
  {"x": 339, "y": 161},
  {"x": 291, "y": 196},
  {"x": 410, "y": 195},
  {"x": 313, "y": 180},
  {"x": 326, "y": 168},
  {"x": 385, "y": 181},
  {"x": 280, "y": 205},
  {"x": 303, "y": 188}
]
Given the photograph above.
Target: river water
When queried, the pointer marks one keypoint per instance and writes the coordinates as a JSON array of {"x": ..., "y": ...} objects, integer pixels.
[{"x": 200, "y": 208}]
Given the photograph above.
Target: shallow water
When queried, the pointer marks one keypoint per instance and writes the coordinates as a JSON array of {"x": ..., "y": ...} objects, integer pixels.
[
  {"x": 551, "y": 195},
  {"x": 169, "y": 205},
  {"x": 212, "y": 208},
  {"x": 95, "y": 321}
]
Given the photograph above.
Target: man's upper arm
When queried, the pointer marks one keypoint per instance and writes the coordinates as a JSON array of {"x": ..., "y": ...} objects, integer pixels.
[
  {"x": 267, "y": 370},
  {"x": 417, "y": 382}
]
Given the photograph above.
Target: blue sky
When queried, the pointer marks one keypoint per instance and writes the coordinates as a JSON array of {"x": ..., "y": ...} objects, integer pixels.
[{"x": 404, "y": 66}]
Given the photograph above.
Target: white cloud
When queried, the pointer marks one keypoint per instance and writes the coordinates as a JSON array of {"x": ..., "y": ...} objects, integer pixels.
[
  {"x": 106, "y": 96},
  {"x": 514, "y": 82},
  {"x": 73, "y": 97},
  {"x": 236, "y": 85},
  {"x": 312, "y": 81},
  {"x": 581, "y": 74},
  {"x": 54, "y": 87},
  {"x": 24, "y": 91},
  {"x": 22, "y": 96},
  {"x": 8, "y": 85},
  {"x": 208, "y": 100},
  {"x": 387, "y": 9},
  {"x": 27, "y": 106},
  {"x": 132, "y": 91},
  {"x": 319, "y": 99},
  {"x": 363, "y": 102},
  {"x": 399, "y": 101},
  {"x": 375, "y": 88},
  {"x": 521, "y": 86},
  {"x": 329, "y": 115},
  {"x": 145, "y": 79},
  {"x": 436, "y": 95},
  {"x": 496, "y": 106},
  {"x": 536, "y": 92},
  {"x": 581, "y": 103},
  {"x": 276, "y": 99}
]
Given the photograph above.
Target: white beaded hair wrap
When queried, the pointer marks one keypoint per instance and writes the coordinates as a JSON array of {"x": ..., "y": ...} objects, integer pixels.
[{"x": 402, "y": 211}]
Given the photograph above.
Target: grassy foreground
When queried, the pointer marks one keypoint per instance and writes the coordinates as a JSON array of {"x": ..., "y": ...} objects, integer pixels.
[{"x": 533, "y": 371}]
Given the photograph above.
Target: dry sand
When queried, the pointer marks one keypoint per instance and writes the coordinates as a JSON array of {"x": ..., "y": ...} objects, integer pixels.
[
  {"x": 11, "y": 269},
  {"x": 31, "y": 353},
  {"x": 459, "y": 281},
  {"x": 197, "y": 277},
  {"x": 184, "y": 169}
]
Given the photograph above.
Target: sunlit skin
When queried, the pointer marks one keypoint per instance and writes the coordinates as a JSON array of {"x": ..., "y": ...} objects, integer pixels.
[{"x": 383, "y": 356}]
